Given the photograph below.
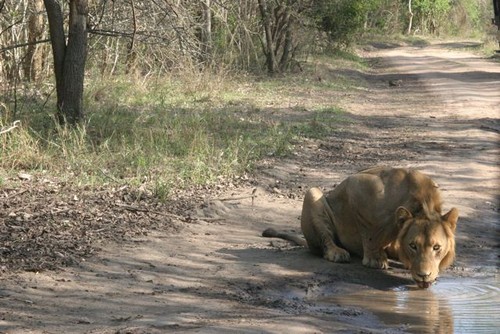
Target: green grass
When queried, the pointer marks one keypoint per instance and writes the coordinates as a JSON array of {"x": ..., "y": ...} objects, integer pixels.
[
  {"x": 137, "y": 141},
  {"x": 170, "y": 133},
  {"x": 321, "y": 124},
  {"x": 177, "y": 145}
]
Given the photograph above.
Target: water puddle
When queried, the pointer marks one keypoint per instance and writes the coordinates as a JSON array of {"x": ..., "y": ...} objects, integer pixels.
[{"x": 458, "y": 305}]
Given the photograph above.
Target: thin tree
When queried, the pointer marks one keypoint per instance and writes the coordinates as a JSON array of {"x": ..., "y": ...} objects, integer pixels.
[
  {"x": 34, "y": 57},
  {"x": 410, "y": 21},
  {"x": 206, "y": 32},
  {"x": 132, "y": 54},
  {"x": 269, "y": 45}
]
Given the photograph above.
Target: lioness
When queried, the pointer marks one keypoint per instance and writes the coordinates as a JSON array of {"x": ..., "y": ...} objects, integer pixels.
[{"x": 380, "y": 213}]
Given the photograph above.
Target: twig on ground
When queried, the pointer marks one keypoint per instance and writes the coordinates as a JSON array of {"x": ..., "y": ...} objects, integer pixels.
[
  {"x": 15, "y": 194},
  {"x": 253, "y": 196},
  {"x": 111, "y": 177},
  {"x": 235, "y": 198},
  {"x": 14, "y": 125},
  {"x": 136, "y": 209}
]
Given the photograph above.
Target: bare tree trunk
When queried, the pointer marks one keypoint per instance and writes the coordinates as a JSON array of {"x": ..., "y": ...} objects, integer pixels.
[
  {"x": 288, "y": 42},
  {"x": 496, "y": 19},
  {"x": 132, "y": 55},
  {"x": 34, "y": 57},
  {"x": 74, "y": 62},
  {"x": 58, "y": 42},
  {"x": 269, "y": 47},
  {"x": 69, "y": 59},
  {"x": 410, "y": 23},
  {"x": 206, "y": 33}
]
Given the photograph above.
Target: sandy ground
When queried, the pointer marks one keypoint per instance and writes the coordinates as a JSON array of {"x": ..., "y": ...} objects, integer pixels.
[{"x": 436, "y": 108}]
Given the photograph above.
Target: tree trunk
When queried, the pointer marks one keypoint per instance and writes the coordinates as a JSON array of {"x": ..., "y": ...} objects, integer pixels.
[
  {"x": 132, "y": 55},
  {"x": 288, "y": 43},
  {"x": 58, "y": 42},
  {"x": 269, "y": 46},
  {"x": 410, "y": 23},
  {"x": 69, "y": 59},
  {"x": 206, "y": 33},
  {"x": 34, "y": 58}
]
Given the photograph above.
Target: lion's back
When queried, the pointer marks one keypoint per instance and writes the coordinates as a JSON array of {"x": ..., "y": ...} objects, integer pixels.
[
  {"x": 366, "y": 202},
  {"x": 388, "y": 188}
]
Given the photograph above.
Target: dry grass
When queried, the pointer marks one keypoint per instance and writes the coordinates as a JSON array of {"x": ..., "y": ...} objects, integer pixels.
[{"x": 174, "y": 131}]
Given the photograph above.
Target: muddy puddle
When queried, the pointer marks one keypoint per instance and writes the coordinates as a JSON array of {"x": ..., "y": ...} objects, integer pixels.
[{"x": 453, "y": 305}]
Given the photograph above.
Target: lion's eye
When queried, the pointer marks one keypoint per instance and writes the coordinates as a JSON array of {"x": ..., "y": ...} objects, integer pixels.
[
  {"x": 436, "y": 247},
  {"x": 413, "y": 246}
]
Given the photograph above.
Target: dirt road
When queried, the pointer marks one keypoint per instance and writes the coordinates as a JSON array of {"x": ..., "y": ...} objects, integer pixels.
[{"x": 436, "y": 108}]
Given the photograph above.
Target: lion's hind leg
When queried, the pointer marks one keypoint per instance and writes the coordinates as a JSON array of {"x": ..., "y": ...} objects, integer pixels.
[{"x": 318, "y": 228}]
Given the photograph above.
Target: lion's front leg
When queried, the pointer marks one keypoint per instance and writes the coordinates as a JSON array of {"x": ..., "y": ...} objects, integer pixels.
[
  {"x": 378, "y": 262},
  {"x": 333, "y": 253},
  {"x": 373, "y": 256}
]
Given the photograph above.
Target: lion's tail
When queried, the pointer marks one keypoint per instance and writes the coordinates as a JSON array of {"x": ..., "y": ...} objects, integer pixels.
[{"x": 272, "y": 233}]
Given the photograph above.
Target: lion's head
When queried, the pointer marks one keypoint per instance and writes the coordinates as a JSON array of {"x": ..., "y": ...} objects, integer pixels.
[{"x": 426, "y": 243}]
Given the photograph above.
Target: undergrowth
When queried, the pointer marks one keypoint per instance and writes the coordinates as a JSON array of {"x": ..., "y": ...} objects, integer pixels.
[{"x": 169, "y": 132}]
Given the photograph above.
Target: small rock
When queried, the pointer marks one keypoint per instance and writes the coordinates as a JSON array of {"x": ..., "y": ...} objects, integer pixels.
[
  {"x": 25, "y": 176},
  {"x": 395, "y": 83}
]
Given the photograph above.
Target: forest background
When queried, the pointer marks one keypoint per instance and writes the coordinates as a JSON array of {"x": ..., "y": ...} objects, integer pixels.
[{"x": 164, "y": 94}]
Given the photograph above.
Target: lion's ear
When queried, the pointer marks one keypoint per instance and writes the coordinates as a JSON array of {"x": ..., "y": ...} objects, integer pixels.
[
  {"x": 451, "y": 218},
  {"x": 402, "y": 215}
]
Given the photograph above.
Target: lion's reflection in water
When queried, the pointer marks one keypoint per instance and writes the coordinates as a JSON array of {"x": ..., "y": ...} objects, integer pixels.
[
  {"x": 450, "y": 306},
  {"x": 425, "y": 312},
  {"x": 409, "y": 309}
]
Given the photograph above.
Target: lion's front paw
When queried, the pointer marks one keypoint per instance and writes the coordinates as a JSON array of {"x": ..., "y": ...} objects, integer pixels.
[
  {"x": 337, "y": 255},
  {"x": 378, "y": 263}
]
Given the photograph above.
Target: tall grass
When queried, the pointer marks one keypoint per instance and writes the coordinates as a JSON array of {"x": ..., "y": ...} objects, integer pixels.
[
  {"x": 137, "y": 134},
  {"x": 178, "y": 146},
  {"x": 167, "y": 132}
]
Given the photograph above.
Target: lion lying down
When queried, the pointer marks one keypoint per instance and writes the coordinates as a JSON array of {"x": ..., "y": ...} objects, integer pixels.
[{"x": 380, "y": 213}]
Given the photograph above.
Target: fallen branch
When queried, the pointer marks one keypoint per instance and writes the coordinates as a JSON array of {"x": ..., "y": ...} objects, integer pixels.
[
  {"x": 253, "y": 196},
  {"x": 235, "y": 198},
  {"x": 14, "y": 125},
  {"x": 10, "y": 196}
]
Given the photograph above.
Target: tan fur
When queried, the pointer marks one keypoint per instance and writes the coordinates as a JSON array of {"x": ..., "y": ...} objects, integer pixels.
[{"x": 380, "y": 213}]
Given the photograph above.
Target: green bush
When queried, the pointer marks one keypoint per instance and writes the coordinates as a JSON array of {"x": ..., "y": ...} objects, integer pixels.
[{"x": 342, "y": 20}]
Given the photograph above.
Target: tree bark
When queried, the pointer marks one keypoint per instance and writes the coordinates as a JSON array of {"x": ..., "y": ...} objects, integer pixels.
[
  {"x": 269, "y": 46},
  {"x": 34, "y": 58},
  {"x": 58, "y": 42},
  {"x": 288, "y": 42},
  {"x": 132, "y": 55},
  {"x": 410, "y": 23},
  {"x": 206, "y": 33},
  {"x": 69, "y": 58}
]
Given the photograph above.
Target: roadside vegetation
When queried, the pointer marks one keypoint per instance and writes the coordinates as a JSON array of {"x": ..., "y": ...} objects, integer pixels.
[
  {"x": 166, "y": 133},
  {"x": 184, "y": 94}
]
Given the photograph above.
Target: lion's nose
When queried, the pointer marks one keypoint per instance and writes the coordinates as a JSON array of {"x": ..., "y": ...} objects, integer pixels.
[{"x": 423, "y": 275}]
